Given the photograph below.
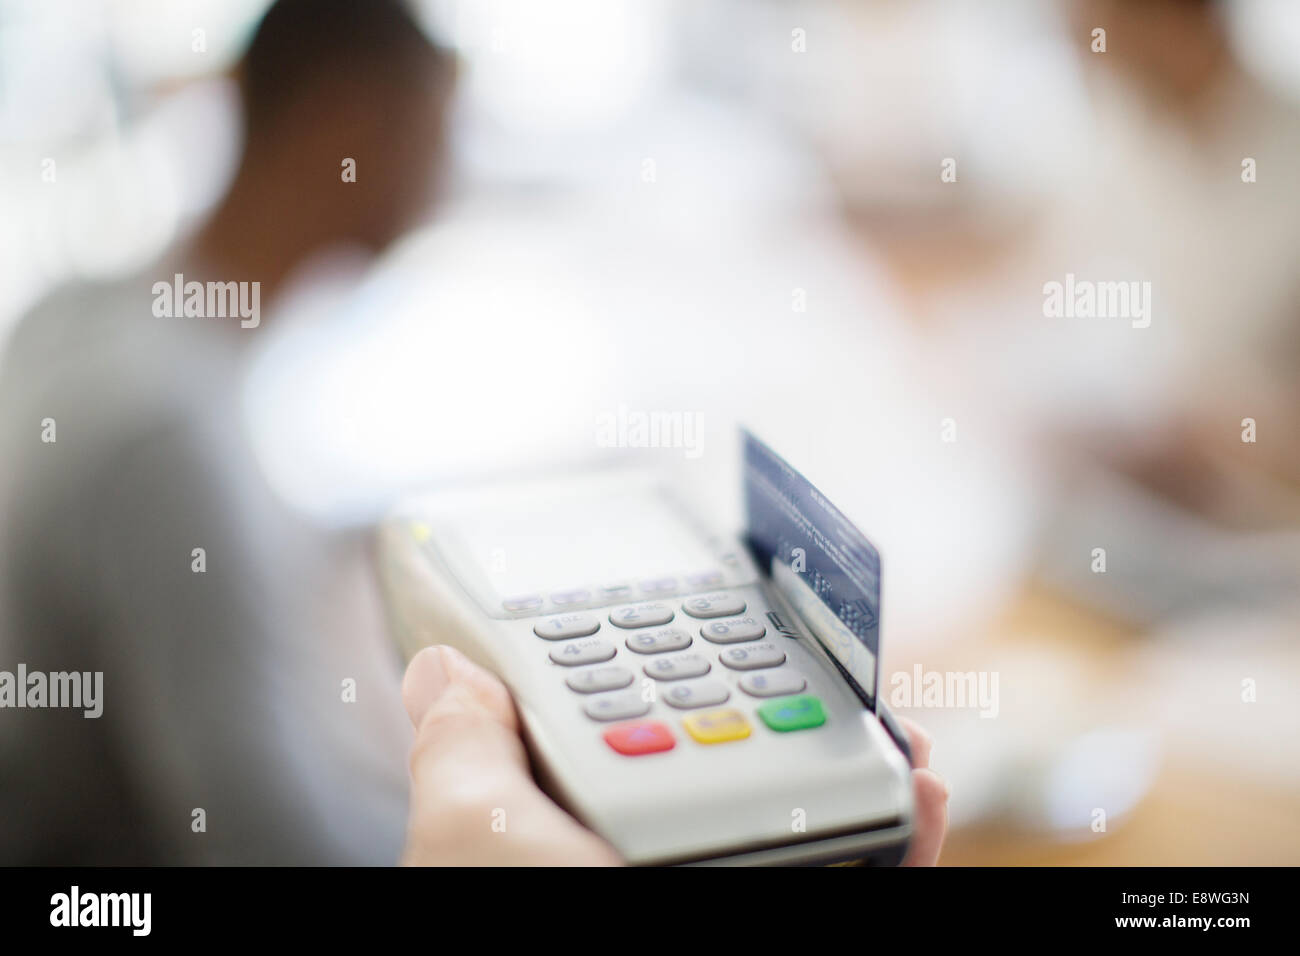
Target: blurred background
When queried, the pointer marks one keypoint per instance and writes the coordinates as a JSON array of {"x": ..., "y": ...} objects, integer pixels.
[{"x": 832, "y": 220}]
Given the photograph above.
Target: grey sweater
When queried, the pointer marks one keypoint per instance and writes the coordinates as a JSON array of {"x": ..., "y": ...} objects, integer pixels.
[{"x": 227, "y": 735}]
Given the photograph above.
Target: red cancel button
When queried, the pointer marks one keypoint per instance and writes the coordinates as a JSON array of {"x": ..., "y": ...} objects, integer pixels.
[{"x": 640, "y": 737}]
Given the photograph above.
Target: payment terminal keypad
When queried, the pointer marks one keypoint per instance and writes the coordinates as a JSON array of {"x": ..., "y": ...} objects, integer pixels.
[{"x": 692, "y": 679}]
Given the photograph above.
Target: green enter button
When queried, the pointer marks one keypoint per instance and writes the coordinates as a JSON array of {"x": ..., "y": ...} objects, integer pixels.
[{"x": 793, "y": 713}]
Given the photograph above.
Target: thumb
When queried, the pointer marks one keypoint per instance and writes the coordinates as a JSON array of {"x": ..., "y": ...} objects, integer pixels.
[
  {"x": 467, "y": 733},
  {"x": 468, "y": 764}
]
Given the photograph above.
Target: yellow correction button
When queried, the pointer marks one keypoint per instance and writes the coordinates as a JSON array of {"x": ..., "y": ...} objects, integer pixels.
[{"x": 717, "y": 726}]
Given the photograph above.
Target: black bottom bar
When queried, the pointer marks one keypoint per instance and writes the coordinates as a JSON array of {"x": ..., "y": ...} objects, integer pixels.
[{"x": 437, "y": 907}]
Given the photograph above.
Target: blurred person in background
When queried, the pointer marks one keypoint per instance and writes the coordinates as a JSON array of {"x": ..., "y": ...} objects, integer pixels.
[
  {"x": 250, "y": 708},
  {"x": 1183, "y": 454},
  {"x": 1228, "y": 234},
  {"x": 1171, "y": 171}
]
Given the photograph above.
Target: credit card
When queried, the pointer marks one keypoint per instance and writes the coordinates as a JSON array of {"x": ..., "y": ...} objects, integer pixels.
[{"x": 820, "y": 562}]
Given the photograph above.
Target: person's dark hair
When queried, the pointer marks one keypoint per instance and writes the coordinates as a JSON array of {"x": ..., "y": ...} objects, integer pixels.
[{"x": 300, "y": 43}]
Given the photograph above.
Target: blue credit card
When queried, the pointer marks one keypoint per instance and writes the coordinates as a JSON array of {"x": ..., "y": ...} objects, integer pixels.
[{"x": 820, "y": 562}]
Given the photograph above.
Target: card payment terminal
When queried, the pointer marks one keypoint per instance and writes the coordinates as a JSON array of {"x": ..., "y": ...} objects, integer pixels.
[{"x": 690, "y": 696}]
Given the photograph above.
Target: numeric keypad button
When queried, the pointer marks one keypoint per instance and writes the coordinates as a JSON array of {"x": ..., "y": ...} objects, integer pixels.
[
  {"x": 594, "y": 680},
  {"x": 752, "y": 656},
  {"x": 576, "y": 653},
  {"x": 733, "y": 631},
  {"x": 641, "y": 615},
  {"x": 565, "y": 626},
  {"x": 699, "y": 693},
  {"x": 618, "y": 706},
  {"x": 678, "y": 667},
  {"x": 659, "y": 640},
  {"x": 718, "y": 604},
  {"x": 777, "y": 683}
]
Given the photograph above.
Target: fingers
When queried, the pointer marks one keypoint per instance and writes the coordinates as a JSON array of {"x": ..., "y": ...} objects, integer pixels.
[
  {"x": 930, "y": 818},
  {"x": 919, "y": 739}
]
